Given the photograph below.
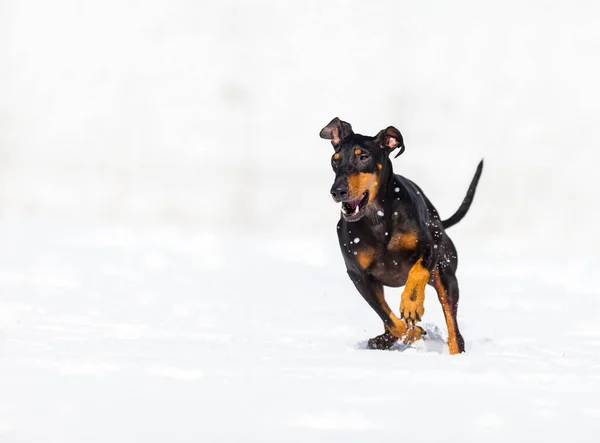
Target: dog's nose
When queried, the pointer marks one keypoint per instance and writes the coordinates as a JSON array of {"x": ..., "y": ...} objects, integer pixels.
[{"x": 339, "y": 193}]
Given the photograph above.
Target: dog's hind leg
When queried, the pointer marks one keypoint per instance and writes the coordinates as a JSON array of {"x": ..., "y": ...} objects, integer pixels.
[{"x": 446, "y": 285}]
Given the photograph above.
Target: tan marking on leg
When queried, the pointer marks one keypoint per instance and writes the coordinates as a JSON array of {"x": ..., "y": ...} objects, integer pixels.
[
  {"x": 413, "y": 296},
  {"x": 414, "y": 334},
  {"x": 404, "y": 240},
  {"x": 450, "y": 323},
  {"x": 387, "y": 339},
  {"x": 398, "y": 329}
]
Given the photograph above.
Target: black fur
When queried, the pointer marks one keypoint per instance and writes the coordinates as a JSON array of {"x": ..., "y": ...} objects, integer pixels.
[{"x": 398, "y": 209}]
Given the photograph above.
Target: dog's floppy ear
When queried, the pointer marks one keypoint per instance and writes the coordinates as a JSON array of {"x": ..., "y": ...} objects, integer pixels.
[
  {"x": 336, "y": 131},
  {"x": 390, "y": 139}
]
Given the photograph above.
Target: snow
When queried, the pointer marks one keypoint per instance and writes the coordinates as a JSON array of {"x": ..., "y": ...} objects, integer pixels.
[
  {"x": 169, "y": 266},
  {"x": 162, "y": 333}
]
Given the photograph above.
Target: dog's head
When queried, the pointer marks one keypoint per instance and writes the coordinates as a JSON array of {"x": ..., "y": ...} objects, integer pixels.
[{"x": 358, "y": 163}]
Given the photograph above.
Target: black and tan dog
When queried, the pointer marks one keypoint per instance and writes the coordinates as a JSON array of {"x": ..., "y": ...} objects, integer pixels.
[{"x": 390, "y": 234}]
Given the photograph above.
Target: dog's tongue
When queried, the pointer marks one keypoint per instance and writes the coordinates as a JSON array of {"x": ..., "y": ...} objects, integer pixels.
[
  {"x": 354, "y": 203},
  {"x": 352, "y": 206}
]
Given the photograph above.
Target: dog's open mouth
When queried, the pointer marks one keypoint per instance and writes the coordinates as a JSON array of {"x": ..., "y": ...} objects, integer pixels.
[{"x": 353, "y": 208}]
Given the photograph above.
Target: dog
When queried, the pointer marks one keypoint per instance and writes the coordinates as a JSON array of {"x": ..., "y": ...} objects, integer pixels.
[{"x": 391, "y": 235}]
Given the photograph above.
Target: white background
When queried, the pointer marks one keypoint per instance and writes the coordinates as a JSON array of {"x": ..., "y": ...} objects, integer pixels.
[
  {"x": 208, "y": 112},
  {"x": 161, "y": 178}
]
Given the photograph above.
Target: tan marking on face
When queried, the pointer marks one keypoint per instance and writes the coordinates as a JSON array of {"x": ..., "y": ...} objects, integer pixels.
[
  {"x": 358, "y": 151},
  {"x": 379, "y": 165},
  {"x": 363, "y": 181},
  {"x": 365, "y": 257},
  {"x": 336, "y": 155},
  {"x": 403, "y": 240}
]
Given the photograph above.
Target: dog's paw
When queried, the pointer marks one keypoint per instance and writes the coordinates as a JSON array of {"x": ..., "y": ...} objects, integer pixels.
[
  {"x": 411, "y": 311},
  {"x": 414, "y": 334},
  {"x": 382, "y": 342}
]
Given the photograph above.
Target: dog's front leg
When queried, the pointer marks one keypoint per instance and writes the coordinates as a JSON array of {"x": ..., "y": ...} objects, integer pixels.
[
  {"x": 413, "y": 297},
  {"x": 372, "y": 292}
]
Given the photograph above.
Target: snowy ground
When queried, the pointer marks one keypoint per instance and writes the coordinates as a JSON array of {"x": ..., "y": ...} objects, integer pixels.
[{"x": 163, "y": 334}]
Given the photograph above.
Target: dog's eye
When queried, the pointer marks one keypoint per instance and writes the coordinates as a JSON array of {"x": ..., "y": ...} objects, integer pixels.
[
  {"x": 334, "y": 159},
  {"x": 363, "y": 157}
]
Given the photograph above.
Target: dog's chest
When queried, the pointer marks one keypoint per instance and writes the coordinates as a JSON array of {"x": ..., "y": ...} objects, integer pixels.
[{"x": 387, "y": 258}]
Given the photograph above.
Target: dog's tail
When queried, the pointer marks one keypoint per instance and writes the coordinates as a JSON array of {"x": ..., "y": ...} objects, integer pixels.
[{"x": 466, "y": 204}]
